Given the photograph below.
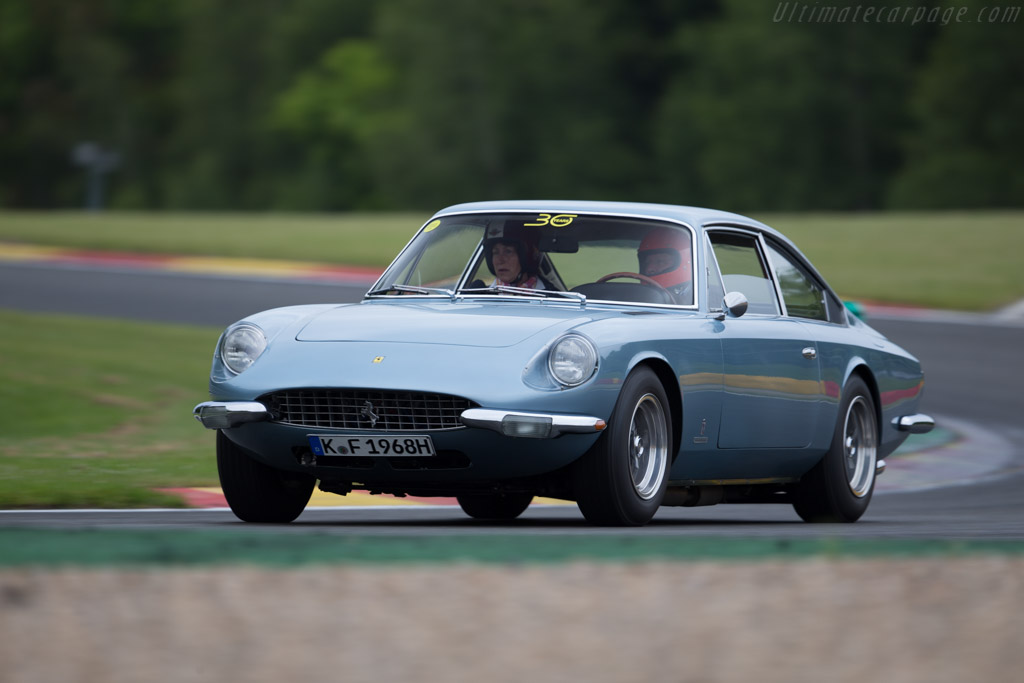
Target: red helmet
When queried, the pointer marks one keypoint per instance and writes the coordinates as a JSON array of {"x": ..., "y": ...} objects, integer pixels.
[
  {"x": 675, "y": 246},
  {"x": 524, "y": 239}
]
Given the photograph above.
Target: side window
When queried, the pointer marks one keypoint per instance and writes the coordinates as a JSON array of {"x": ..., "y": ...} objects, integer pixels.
[
  {"x": 743, "y": 270},
  {"x": 804, "y": 297}
]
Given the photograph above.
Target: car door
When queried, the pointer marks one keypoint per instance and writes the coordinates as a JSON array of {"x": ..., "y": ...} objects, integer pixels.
[{"x": 772, "y": 394}]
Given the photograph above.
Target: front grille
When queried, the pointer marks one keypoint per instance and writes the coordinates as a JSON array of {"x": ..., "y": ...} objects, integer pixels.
[{"x": 395, "y": 411}]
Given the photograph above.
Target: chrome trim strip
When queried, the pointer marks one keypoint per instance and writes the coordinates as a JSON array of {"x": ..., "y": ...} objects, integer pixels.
[
  {"x": 228, "y": 414},
  {"x": 486, "y": 418},
  {"x": 915, "y": 424}
]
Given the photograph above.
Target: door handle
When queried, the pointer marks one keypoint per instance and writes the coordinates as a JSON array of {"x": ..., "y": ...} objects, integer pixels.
[{"x": 810, "y": 352}]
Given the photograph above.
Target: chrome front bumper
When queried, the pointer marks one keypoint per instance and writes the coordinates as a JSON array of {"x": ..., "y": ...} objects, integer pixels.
[
  {"x": 228, "y": 414},
  {"x": 531, "y": 425},
  {"x": 915, "y": 424}
]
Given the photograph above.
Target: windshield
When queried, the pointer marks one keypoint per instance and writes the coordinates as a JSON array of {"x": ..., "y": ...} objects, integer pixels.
[{"x": 602, "y": 258}]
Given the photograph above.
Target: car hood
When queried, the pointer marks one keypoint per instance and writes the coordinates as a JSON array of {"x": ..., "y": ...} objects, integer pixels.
[{"x": 460, "y": 324}]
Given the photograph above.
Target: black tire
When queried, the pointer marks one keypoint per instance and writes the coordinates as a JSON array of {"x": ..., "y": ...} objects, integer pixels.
[
  {"x": 258, "y": 492},
  {"x": 495, "y": 506},
  {"x": 840, "y": 486},
  {"x": 621, "y": 481}
]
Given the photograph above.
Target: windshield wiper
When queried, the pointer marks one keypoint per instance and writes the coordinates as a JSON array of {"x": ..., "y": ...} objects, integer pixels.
[
  {"x": 414, "y": 289},
  {"x": 506, "y": 289}
]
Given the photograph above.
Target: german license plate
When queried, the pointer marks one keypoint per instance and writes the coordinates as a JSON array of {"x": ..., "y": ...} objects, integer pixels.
[{"x": 360, "y": 445}]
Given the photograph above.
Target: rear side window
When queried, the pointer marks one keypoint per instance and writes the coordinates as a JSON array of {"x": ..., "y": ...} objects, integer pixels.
[
  {"x": 743, "y": 270},
  {"x": 804, "y": 297}
]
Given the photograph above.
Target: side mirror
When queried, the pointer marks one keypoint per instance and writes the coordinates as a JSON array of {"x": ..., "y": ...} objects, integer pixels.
[{"x": 734, "y": 304}]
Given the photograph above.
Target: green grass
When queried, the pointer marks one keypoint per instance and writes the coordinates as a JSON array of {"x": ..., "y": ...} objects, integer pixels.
[
  {"x": 96, "y": 413},
  {"x": 954, "y": 260},
  {"x": 957, "y": 260},
  {"x": 349, "y": 239}
]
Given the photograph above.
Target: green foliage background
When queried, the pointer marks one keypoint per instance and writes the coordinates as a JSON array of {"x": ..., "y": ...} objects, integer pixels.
[{"x": 412, "y": 104}]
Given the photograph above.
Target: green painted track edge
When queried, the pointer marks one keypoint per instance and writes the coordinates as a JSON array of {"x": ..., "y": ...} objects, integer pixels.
[{"x": 266, "y": 547}]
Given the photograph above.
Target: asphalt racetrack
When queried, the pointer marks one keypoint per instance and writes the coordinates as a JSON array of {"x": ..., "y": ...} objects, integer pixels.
[{"x": 971, "y": 489}]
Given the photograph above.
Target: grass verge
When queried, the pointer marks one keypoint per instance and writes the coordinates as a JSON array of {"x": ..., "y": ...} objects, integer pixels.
[
  {"x": 96, "y": 412},
  {"x": 955, "y": 260},
  {"x": 52, "y": 547},
  {"x": 348, "y": 239}
]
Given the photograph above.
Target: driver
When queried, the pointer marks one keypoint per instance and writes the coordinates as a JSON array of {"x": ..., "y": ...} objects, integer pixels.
[
  {"x": 664, "y": 256},
  {"x": 513, "y": 256}
]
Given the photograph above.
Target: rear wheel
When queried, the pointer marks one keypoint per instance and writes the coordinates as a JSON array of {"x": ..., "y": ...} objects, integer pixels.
[
  {"x": 839, "y": 488},
  {"x": 257, "y": 492},
  {"x": 621, "y": 480},
  {"x": 495, "y": 506}
]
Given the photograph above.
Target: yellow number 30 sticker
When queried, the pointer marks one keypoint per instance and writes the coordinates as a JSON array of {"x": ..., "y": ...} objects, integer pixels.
[{"x": 559, "y": 221}]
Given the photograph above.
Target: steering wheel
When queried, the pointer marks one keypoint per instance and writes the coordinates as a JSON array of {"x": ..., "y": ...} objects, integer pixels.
[{"x": 637, "y": 276}]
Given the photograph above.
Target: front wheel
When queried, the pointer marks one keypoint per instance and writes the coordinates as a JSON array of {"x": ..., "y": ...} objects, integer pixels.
[
  {"x": 257, "y": 492},
  {"x": 621, "y": 481},
  {"x": 495, "y": 506},
  {"x": 839, "y": 488}
]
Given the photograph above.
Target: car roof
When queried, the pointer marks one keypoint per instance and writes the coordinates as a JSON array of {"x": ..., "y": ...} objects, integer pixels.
[{"x": 691, "y": 215}]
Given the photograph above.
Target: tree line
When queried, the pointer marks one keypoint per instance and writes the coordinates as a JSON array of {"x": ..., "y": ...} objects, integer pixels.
[{"x": 413, "y": 104}]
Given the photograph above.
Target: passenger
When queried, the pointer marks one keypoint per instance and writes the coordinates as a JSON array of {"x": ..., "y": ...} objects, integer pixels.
[
  {"x": 513, "y": 257},
  {"x": 664, "y": 256}
]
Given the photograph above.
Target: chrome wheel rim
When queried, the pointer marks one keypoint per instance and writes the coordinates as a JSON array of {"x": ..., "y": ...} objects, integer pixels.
[
  {"x": 648, "y": 446},
  {"x": 860, "y": 447}
]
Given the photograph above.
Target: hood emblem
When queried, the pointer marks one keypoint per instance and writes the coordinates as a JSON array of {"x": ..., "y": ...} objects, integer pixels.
[{"x": 367, "y": 413}]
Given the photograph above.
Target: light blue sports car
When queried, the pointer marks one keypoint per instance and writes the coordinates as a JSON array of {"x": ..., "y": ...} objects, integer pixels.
[{"x": 623, "y": 356}]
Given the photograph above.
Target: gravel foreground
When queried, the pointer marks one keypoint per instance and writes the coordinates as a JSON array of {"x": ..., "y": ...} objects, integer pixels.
[{"x": 819, "y": 619}]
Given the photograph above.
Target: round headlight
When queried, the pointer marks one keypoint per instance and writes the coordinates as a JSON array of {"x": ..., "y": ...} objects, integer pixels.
[
  {"x": 572, "y": 360},
  {"x": 242, "y": 345}
]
